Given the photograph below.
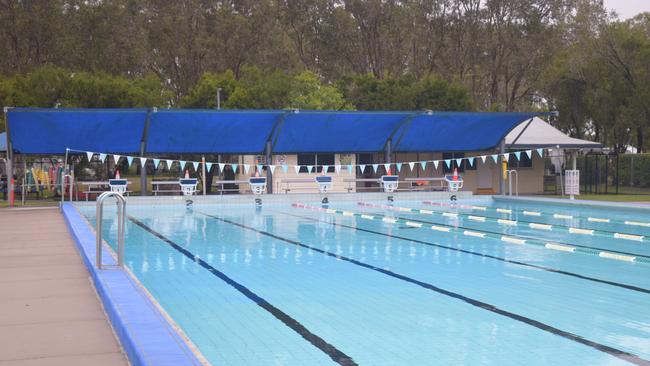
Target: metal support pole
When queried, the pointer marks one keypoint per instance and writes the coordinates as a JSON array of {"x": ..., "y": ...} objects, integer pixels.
[
  {"x": 617, "y": 170},
  {"x": 10, "y": 159},
  {"x": 203, "y": 172},
  {"x": 388, "y": 151},
  {"x": 143, "y": 147},
  {"x": 269, "y": 175},
  {"x": 502, "y": 181},
  {"x": 574, "y": 166}
]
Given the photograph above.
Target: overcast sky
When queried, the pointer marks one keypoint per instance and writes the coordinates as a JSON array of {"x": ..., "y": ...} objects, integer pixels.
[{"x": 628, "y": 8}]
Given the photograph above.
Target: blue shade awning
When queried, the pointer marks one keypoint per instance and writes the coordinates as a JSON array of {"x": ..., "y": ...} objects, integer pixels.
[
  {"x": 210, "y": 131},
  {"x": 336, "y": 132},
  {"x": 51, "y": 131},
  {"x": 456, "y": 131}
]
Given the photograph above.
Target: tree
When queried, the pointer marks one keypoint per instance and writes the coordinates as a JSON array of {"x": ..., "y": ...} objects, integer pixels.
[{"x": 307, "y": 92}]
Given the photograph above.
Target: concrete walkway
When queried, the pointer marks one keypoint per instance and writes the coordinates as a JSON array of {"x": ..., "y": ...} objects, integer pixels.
[{"x": 49, "y": 311}]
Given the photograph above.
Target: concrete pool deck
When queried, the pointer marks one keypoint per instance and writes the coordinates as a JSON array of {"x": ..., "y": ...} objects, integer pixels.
[{"x": 49, "y": 311}]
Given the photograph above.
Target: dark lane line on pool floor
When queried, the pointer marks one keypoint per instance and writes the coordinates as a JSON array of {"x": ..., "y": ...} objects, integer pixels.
[
  {"x": 501, "y": 259},
  {"x": 520, "y": 235},
  {"x": 623, "y": 355},
  {"x": 335, "y": 354}
]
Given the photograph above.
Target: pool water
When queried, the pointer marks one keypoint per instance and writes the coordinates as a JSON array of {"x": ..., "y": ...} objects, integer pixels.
[{"x": 375, "y": 285}]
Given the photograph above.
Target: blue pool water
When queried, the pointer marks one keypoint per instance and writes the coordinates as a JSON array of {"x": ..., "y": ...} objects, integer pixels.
[{"x": 293, "y": 286}]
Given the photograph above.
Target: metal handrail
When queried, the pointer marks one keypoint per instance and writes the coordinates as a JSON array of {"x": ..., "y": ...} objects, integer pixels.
[
  {"x": 63, "y": 176},
  {"x": 510, "y": 173},
  {"x": 121, "y": 216}
]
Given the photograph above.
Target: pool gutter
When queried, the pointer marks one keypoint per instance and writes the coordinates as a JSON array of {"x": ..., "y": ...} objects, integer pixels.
[
  {"x": 143, "y": 330},
  {"x": 629, "y": 206}
]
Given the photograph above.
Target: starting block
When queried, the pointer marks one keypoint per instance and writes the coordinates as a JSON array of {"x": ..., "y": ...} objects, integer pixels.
[
  {"x": 389, "y": 182},
  {"x": 258, "y": 185},
  {"x": 324, "y": 183}
]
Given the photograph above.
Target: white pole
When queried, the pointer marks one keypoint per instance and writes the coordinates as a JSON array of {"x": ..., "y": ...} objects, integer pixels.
[{"x": 203, "y": 175}]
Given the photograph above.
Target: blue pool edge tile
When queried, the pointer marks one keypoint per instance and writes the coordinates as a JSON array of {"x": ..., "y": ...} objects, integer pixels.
[{"x": 144, "y": 333}]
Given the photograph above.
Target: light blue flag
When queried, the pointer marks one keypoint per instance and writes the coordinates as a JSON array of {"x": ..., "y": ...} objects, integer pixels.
[
  {"x": 518, "y": 154},
  {"x": 181, "y": 164},
  {"x": 540, "y": 151},
  {"x": 310, "y": 168},
  {"x": 156, "y": 162},
  {"x": 208, "y": 167},
  {"x": 247, "y": 167},
  {"x": 471, "y": 161},
  {"x": 375, "y": 167},
  {"x": 102, "y": 157},
  {"x": 398, "y": 166},
  {"x": 350, "y": 168},
  {"x": 259, "y": 168},
  {"x": 195, "y": 164},
  {"x": 495, "y": 157},
  {"x": 285, "y": 168},
  {"x": 529, "y": 153},
  {"x": 448, "y": 163},
  {"x": 326, "y": 168},
  {"x": 234, "y": 167},
  {"x": 411, "y": 165},
  {"x": 423, "y": 164},
  {"x": 129, "y": 160}
]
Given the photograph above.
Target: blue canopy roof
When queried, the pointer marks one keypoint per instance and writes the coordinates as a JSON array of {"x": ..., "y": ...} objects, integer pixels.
[
  {"x": 210, "y": 131},
  {"x": 51, "y": 131},
  {"x": 456, "y": 131},
  {"x": 336, "y": 132}
]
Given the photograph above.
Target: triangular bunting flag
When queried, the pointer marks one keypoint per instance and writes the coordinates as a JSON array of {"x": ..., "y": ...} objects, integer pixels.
[
  {"x": 435, "y": 164},
  {"x": 247, "y": 167},
  {"x": 297, "y": 167},
  {"x": 89, "y": 155},
  {"x": 169, "y": 163},
  {"x": 182, "y": 164},
  {"x": 129, "y": 160},
  {"x": 156, "y": 162},
  {"x": 471, "y": 161},
  {"x": 387, "y": 167},
  {"x": 459, "y": 161},
  {"x": 375, "y": 167},
  {"x": 195, "y": 164},
  {"x": 411, "y": 165},
  {"x": 518, "y": 154},
  {"x": 102, "y": 157},
  {"x": 221, "y": 166},
  {"x": 272, "y": 168},
  {"x": 234, "y": 167},
  {"x": 285, "y": 168},
  {"x": 483, "y": 157},
  {"x": 143, "y": 161},
  {"x": 326, "y": 168},
  {"x": 448, "y": 163},
  {"x": 116, "y": 158},
  {"x": 362, "y": 167},
  {"x": 423, "y": 164},
  {"x": 259, "y": 168},
  {"x": 540, "y": 151},
  {"x": 506, "y": 157},
  {"x": 208, "y": 167},
  {"x": 337, "y": 169},
  {"x": 310, "y": 168},
  {"x": 398, "y": 166},
  {"x": 529, "y": 153},
  {"x": 495, "y": 157},
  {"x": 350, "y": 168}
]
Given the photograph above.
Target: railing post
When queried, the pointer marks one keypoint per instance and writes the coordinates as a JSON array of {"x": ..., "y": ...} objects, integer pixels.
[{"x": 121, "y": 216}]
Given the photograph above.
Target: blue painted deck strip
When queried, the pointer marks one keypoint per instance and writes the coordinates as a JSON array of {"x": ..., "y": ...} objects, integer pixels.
[{"x": 144, "y": 333}]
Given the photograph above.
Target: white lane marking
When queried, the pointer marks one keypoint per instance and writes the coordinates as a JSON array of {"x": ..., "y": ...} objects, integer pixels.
[
  {"x": 348, "y": 213},
  {"x": 560, "y": 247},
  {"x": 506, "y": 222},
  {"x": 510, "y": 239},
  {"x": 476, "y": 218},
  {"x": 440, "y": 228},
  {"x": 575, "y": 230},
  {"x": 428, "y": 212},
  {"x": 449, "y": 214},
  {"x": 620, "y": 257},
  {"x": 389, "y": 220},
  {"x": 479, "y": 208},
  {"x": 628, "y": 236},
  {"x": 367, "y": 217},
  {"x": 636, "y": 223},
  {"x": 405, "y": 209},
  {"x": 597, "y": 219},
  {"x": 540, "y": 226},
  {"x": 413, "y": 224},
  {"x": 474, "y": 233},
  {"x": 560, "y": 216},
  {"x": 532, "y": 213},
  {"x": 330, "y": 211},
  {"x": 504, "y": 210}
]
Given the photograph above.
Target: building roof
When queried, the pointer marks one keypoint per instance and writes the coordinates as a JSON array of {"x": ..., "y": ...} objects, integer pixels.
[{"x": 538, "y": 133}]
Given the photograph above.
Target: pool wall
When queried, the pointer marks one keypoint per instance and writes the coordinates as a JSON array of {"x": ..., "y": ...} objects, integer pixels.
[{"x": 145, "y": 335}]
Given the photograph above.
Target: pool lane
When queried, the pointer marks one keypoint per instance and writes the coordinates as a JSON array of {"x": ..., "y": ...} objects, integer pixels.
[{"x": 372, "y": 317}]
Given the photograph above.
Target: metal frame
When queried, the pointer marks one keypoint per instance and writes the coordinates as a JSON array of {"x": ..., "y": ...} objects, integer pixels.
[
  {"x": 121, "y": 216},
  {"x": 516, "y": 174}
]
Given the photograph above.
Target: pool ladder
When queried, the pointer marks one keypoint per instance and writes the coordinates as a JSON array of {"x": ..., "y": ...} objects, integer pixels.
[
  {"x": 121, "y": 216},
  {"x": 510, "y": 174}
]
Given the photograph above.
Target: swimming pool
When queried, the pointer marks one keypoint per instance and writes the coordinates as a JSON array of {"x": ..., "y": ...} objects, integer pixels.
[{"x": 419, "y": 282}]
